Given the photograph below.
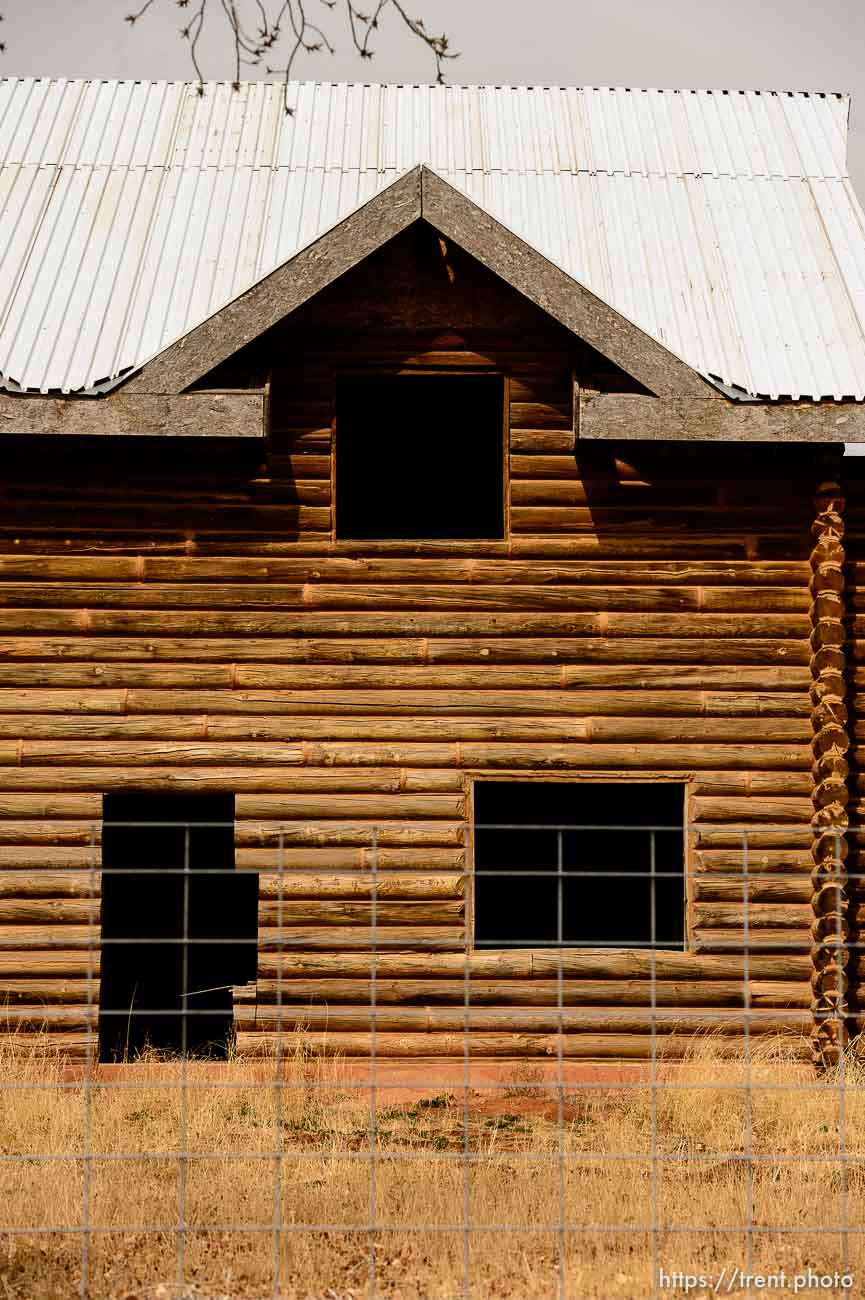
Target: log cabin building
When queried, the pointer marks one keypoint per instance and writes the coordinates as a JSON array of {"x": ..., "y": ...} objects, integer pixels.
[{"x": 430, "y": 569}]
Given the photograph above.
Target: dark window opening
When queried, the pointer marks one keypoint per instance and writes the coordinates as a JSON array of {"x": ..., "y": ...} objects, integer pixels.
[
  {"x": 579, "y": 864},
  {"x": 420, "y": 457},
  {"x": 179, "y": 924}
]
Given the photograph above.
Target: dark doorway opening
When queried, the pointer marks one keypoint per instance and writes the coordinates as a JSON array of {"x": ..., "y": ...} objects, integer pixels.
[
  {"x": 580, "y": 864},
  {"x": 179, "y": 924},
  {"x": 420, "y": 457}
]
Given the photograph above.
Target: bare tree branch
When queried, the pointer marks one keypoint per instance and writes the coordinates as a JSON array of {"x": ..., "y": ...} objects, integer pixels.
[{"x": 258, "y": 31}]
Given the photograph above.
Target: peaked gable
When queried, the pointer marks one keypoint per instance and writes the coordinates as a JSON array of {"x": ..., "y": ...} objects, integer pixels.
[{"x": 420, "y": 195}]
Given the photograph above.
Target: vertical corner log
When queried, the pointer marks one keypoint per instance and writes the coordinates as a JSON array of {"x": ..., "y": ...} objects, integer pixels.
[{"x": 830, "y": 744}]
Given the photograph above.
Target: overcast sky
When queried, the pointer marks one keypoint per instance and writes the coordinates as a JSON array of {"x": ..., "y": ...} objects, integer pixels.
[{"x": 737, "y": 44}]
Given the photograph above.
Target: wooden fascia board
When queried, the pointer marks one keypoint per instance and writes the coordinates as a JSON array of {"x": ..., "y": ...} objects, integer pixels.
[
  {"x": 283, "y": 291},
  {"x": 635, "y": 418},
  {"x": 458, "y": 218},
  {"x": 122, "y": 414}
]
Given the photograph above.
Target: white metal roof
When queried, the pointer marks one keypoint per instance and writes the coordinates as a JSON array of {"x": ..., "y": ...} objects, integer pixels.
[{"x": 722, "y": 223}]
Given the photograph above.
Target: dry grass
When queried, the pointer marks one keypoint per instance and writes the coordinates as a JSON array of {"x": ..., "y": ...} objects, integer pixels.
[{"x": 424, "y": 1190}]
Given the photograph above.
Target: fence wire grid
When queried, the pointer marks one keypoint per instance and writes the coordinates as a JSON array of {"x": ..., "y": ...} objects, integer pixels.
[{"x": 430, "y": 1116}]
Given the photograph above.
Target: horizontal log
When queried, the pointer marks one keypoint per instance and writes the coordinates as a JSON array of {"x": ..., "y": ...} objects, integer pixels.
[
  {"x": 461, "y": 701},
  {"x": 326, "y": 858},
  {"x": 100, "y": 726},
  {"x": 516, "y": 993},
  {"x": 169, "y": 514},
  {"x": 251, "y": 835},
  {"x": 384, "y": 805},
  {"x": 77, "y": 992},
  {"x": 61, "y": 912},
  {"x": 321, "y": 858},
  {"x": 18, "y": 757},
  {"x": 47, "y": 807},
  {"x": 762, "y": 809},
  {"x": 797, "y": 889},
  {"x": 739, "y": 636},
  {"x": 291, "y": 437},
  {"x": 661, "y": 544},
  {"x": 734, "y": 863},
  {"x": 65, "y": 513},
  {"x": 216, "y": 655},
  {"x": 541, "y": 415},
  {"x": 48, "y": 884},
  {"x": 41, "y": 821},
  {"x": 543, "y": 442},
  {"x": 68, "y": 1035},
  {"x": 300, "y": 464},
  {"x": 100, "y": 702},
  {"x": 775, "y": 517},
  {"x": 334, "y": 351},
  {"x": 791, "y": 940},
  {"x": 355, "y": 886},
  {"x": 634, "y": 611},
  {"x": 758, "y": 839},
  {"x": 53, "y": 832},
  {"x": 480, "y": 675},
  {"x": 31, "y": 679},
  {"x": 541, "y": 464},
  {"x": 465, "y": 702},
  {"x": 376, "y": 912},
  {"x": 50, "y": 965},
  {"x": 502, "y": 728},
  {"x": 333, "y": 833},
  {"x": 707, "y": 729},
  {"x": 304, "y": 493},
  {"x": 21, "y": 1018},
  {"x": 648, "y": 601},
  {"x": 255, "y": 729},
  {"x": 645, "y": 757},
  {"x": 773, "y": 916},
  {"x": 733, "y": 578},
  {"x": 19, "y": 938},
  {"x": 246, "y": 728},
  {"x": 23, "y": 938},
  {"x": 736, "y": 784},
  {"x": 658, "y": 496},
  {"x": 570, "y": 491},
  {"x": 586, "y": 1046},
  {"x": 432, "y": 1020},
  {"x": 242, "y": 780},
  {"x": 408, "y": 781},
  {"x": 201, "y": 414},
  {"x": 778, "y": 974},
  {"x": 348, "y": 938},
  {"x": 70, "y": 1046},
  {"x": 532, "y": 964},
  {"x": 39, "y": 752},
  {"x": 634, "y": 674}
]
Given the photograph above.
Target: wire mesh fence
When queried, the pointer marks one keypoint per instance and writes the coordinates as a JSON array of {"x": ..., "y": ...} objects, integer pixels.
[{"x": 583, "y": 1070}]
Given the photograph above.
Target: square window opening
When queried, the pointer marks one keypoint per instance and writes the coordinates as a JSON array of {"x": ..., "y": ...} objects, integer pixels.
[
  {"x": 420, "y": 457},
  {"x": 579, "y": 864}
]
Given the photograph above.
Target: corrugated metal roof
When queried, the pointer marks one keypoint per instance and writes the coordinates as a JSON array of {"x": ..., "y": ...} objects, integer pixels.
[{"x": 722, "y": 223}]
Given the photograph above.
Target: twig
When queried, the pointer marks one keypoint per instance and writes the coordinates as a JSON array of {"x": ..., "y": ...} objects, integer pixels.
[{"x": 307, "y": 37}]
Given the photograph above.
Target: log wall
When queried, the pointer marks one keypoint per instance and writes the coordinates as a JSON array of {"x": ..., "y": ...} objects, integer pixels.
[
  {"x": 193, "y": 625},
  {"x": 846, "y": 983}
]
